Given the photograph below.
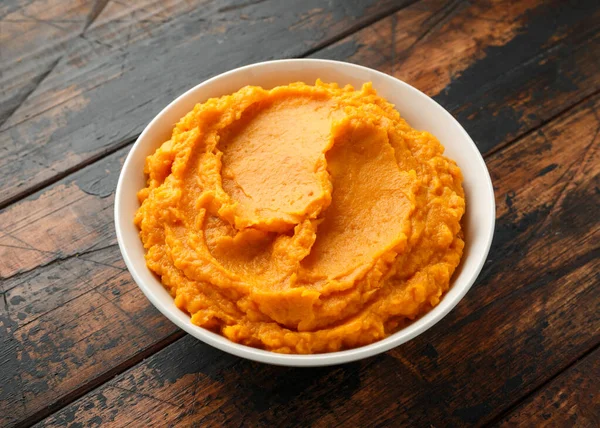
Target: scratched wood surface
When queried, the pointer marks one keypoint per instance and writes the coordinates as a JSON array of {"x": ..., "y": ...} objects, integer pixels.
[
  {"x": 572, "y": 399},
  {"x": 523, "y": 78}
]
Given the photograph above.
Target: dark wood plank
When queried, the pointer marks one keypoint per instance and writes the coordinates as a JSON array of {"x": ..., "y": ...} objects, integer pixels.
[
  {"x": 111, "y": 80},
  {"x": 501, "y": 68},
  {"x": 70, "y": 218},
  {"x": 34, "y": 35},
  {"x": 572, "y": 399},
  {"x": 78, "y": 316},
  {"x": 45, "y": 238},
  {"x": 534, "y": 310},
  {"x": 40, "y": 33}
]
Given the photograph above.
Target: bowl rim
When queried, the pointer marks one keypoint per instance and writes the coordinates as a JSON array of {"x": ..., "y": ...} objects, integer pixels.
[{"x": 305, "y": 360}]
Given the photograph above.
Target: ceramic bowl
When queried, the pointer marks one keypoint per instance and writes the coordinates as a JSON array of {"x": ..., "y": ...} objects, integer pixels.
[{"x": 418, "y": 109}]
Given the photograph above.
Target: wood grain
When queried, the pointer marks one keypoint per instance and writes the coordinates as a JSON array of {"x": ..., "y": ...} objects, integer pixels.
[
  {"x": 77, "y": 316},
  {"x": 111, "y": 80},
  {"x": 34, "y": 35},
  {"x": 535, "y": 307},
  {"x": 572, "y": 399},
  {"x": 41, "y": 33}
]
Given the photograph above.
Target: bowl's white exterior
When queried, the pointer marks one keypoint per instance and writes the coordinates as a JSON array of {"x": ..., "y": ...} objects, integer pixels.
[{"x": 419, "y": 110}]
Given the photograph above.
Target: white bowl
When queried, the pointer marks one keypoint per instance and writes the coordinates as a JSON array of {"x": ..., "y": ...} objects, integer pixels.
[{"x": 418, "y": 109}]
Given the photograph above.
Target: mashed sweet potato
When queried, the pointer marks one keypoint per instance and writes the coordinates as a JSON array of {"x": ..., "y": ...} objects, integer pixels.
[{"x": 302, "y": 219}]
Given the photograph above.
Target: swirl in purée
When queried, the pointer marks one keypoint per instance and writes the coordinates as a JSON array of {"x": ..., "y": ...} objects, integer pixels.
[{"x": 302, "y": 219}]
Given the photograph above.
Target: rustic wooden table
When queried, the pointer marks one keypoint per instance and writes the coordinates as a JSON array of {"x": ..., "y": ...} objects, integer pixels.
[{"x": 80, "y": 344}]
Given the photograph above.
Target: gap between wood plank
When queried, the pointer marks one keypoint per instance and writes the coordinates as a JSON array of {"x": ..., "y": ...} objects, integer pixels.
[
  {"x": 67, "y": 172},
  {"x": 543, "y": 123},
  {"x": 100, "y": 380},
  {"x": 495, "y": 421},
  {"x": 356, "y": 27}
]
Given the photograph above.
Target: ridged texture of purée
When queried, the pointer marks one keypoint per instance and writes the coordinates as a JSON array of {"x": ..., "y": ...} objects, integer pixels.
[{"x": 302, "y": 219}]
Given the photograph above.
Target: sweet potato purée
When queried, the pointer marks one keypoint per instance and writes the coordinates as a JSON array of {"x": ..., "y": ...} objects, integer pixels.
[{"x": 302, "y": 219}]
